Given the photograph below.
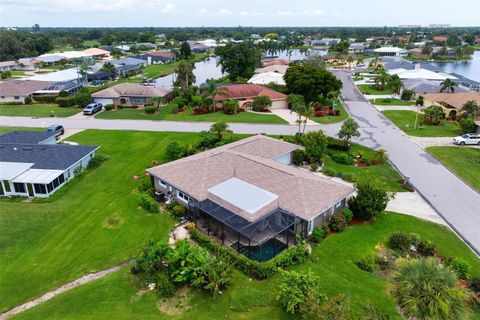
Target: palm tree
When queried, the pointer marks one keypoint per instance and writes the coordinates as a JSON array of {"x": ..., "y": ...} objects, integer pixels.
[
  {"x": 185, "y": 76},
  {"x": 448, "y": 85},
  {"x": 297, "y": 104},
  {"x": 211, "y": 90},
  {"x": 382, "y": 156},
  {"x": 83, "y": 67},
  {"x": 307, "y": 114},
  {"x": 109, "y": 67},
  {"x": 426, "y": 289},
  {"x": 382, "y": 79},
  {"x": 350, "y": 59},
  {"x": 395, "y": 84},
  {"x": 471, "y": 108},
  {"x": 219, "y": 129}
]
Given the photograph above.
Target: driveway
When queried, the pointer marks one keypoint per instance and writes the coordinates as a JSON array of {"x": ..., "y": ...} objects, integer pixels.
[{"x": 454, "y": 200}]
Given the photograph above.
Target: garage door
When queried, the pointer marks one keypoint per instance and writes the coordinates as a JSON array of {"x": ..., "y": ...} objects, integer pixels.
[
  {"x": 103, "y": 101},
  {"x": 279, "y": 104}
]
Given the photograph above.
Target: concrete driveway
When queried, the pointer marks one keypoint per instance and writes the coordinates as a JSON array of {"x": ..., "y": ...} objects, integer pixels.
[{"x": 454, "y": 200}]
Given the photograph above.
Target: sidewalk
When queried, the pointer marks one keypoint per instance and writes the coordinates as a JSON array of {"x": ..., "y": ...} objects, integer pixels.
[
  {"x": 425, "y": 142},
  {"x": 400, "y": 108},
  {"x": 291, "y": 116}
]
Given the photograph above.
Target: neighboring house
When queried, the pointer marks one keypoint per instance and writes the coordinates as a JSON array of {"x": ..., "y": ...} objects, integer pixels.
[
  {"x": 18, "y": 90},
  {"x": 245, "y": 93},
  {"x": 67, "y": 55},
  {"x": 440, "y": 39},
  {"x": 97, "y": 53},
  {"x": 8, "y": 65},
  {"x": 50, "y": 59},
  {"x": 199, "y": 48},
  {"x": 27, "y": 64},
  {"x": 155, "y": 57},
  {"x": 420, "y": 73},
  {"x": 272, "y": 62},
  {"x": 129, "y": 61},
  {"x": 356, "y": 47},
  {"x": 423, "y": 86},
  {"x": 248, "y": 194},
  {"x": 340, "y": 59},
  {"x": 71, "y": 74},
  {"x": 128, "y": 94},
  {"x": 32, "y": 165},
  {"x": 267, "y": 77},
  {"x": 451, "y": 103},
  {"x": 282, "y": 69},
  {"x": 391, "y": 51}
]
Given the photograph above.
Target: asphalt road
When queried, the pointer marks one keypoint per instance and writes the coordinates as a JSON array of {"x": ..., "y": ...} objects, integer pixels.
[{"x": 452, "y": 198}]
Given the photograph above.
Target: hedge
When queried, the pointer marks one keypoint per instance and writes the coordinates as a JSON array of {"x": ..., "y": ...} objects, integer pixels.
[
  {"x": 45, "y": 99},
  {"x": 64, "y": 102},
  {"x": 258, "y": 270},
  {"x": 148, "y": 203}
]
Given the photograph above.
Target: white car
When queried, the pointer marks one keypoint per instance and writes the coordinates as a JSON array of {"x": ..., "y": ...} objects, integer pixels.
[{"x": 468, "y": 138}]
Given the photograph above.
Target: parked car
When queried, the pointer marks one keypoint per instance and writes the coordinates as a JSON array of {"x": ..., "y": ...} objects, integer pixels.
[
  {"x": 57, "y": 129},
  {"x": 92, "y": 108},
  {"x": 469, "y": 138}
]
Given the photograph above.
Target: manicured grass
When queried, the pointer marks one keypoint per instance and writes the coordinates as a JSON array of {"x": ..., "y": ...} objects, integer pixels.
[
  {"x": 159, "y": 70},
  {"x": 37, "y": 110},
  {"x": 165, "y": 113},
  {"x": 462, "y": 160},
  {"x": 369, "y": 89},
  {"x": 116, "y": 297},
  {"x": 333, "y": 119},
  {"x": 96, "y": 224},
  {"x": 405, "y": 120},
  {"x": 391, "y": 102},
  {"x": 384, "y": 172},
  {"x": 17, "y": 73}
]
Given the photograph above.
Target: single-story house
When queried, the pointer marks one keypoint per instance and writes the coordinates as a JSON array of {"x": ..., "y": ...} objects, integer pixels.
[
  {"x": 340, "y": 59},
  {"x": 32, "y": 165},
  {"x": 18, "y": 90},
  {"x": 451, "y": 103},
  {"x": 272, "y": 62},
  {"x": 248, "y": 196},
  {"x": 97, "y": 53},
  {"x": 8, "y": 65},
  {"x": 129, "y": 61},
  {"x": 71, "y": 74},
  {"x": 67, "y": 55},
  {"x": 245, "y": 93},
  {"x": 424, "y": 86},
  {"x": 155, "y": 57},
  {"x": 128, "y": 94},
  {"x": 199, "y": 48},
  {"x": 27, "y": 64},
  {"x": 267, "y": 77},
  {"x": 420, "y": 73},
  {"x": 391, "y": 51},
  {"x": 440, "y": 39},
  {"x": 282, "y": 69},
  {"x": 356, "y": 47}
]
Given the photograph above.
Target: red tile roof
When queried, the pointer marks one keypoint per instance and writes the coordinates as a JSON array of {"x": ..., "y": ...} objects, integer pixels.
[
  {"x": 248, "y": 91},
  {"x": 440, "y": 39},
  {"x": 161, "y": 54}
]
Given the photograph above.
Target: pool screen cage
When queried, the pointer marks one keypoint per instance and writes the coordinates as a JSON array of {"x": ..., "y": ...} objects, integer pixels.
[{"x": 261, "y": 239}]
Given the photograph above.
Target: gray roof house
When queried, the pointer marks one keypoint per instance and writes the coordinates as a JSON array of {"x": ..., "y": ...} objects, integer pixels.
[
  {"x": 18, "y": 90},
  {"x": 248, "y": 193},
  {"x": 33, "y": 165}
]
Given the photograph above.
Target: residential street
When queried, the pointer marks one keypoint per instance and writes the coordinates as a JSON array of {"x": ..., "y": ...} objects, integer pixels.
[{"x": 453, "y": 199}]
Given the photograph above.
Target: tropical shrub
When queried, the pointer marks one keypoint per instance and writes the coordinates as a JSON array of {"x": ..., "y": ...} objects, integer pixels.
[
  {"x": 148, "y": 203},
  {"x": 426, "y": 248},
  {"x": 64, "y": 102},
  {"x": 82, "y": 99},
  {"x": 146, "y": 185},
  {"x": 149, "y": 110},
  {"x": 467, "y": 125},
  {"x": 28, "y": 100},
  {"x": 348, "y": 214},
  {"x": 298, "y": 157},
  {"x": 315, "y": 143},
  {"x": 474, "y": 284},
  {"x": 419, "y": 101},
  {"x": 366, "y": 263},
  {"x": 407, "y": 95},
  {"x": 426, "y": 289},
  {"x": 63, "y": 93},
  {"x": 461, "y": 268},
  {"x": 337, "y": 222},
  {"x": 179, "y": 211},
  {"x": 433, "y": 115},
  {"x": 318, "y": 234},
  {"x": 261, "y": 103},
  {"x": 45, "y": 99},
  {"x": 300, "y": 292},
  {"x": 342, "y": 158},
  {"x": 399, "y": 241},
  {"x": 174, "y": 151},
  {"x": 109, "y": 107},
  {"x": 371, "y": 199},
  {"x": 164, "y": 285},
  {"x": 314, "y": 166},
  {"x": 230, "y": 106}
]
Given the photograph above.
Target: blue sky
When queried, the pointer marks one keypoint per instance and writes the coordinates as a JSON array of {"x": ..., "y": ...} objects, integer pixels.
[{"x": 181, "y": 13}]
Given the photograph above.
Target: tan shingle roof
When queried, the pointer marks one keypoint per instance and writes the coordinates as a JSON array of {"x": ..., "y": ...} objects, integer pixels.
[
  {"x": 456, "y": 100},
  {"x": 299, "y": 192},
  {"x": 22, "y": 87},
  {"x": 248, "y": 91},
  {"x": 130, "y": 90},
  {"x": 96, "y": 52}
]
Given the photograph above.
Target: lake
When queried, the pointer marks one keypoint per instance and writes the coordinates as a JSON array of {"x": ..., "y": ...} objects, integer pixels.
[{"x": 469, "y": 68}]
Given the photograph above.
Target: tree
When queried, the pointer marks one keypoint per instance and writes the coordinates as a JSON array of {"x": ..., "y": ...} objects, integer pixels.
[
  {"x": 185, "y": 76},
  {"x": 427, "y": 49},
  {"x": 426, "y": 289},
  {"x": 395, "y": 84},
  {"x": 219, "y": 129},
  {"x": 185, "y": 51},
  {"x": 371, "y": 199},
  {"x": 310, "y": 81},
  {"x": 174, "y": 151},
  {"x": 110, "y": 68},
  {"x": 230, "y": 106},
  {"x": 314, "y": 59},
  {"x": 471, "y": 109},
  {"x": 213, "y": 275},
  {"x": 348, "y": 130},
  {"x": 297, "y": 105},
  {"x": 407, "y": 95},
  {"x": 382, "y": 156},
  {"x": 467, "y": 124},
  {"x": 315, "y": 143},
  {"x": 433, "y": 115},
  {"x": 382, "y": 79},
  {"x": 239, "y": 60},
  {"x": 261, "y": 103},
  {"x": 448, "y": 85},
  {"x": 210, "y": 91},
  {"x": 300, "y": 292}
]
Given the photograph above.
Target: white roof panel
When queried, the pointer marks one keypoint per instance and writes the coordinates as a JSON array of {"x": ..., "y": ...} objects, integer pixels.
[
  {"x": 38, "y": 176},
  {"x": 9, "y": 170},
  {"x": 243, "y": 195},
  {"x": 267, "y": 77},
  {"x": 57, "y": 76}
]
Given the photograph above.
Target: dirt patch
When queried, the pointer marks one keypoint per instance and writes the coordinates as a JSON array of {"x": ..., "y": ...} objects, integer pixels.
[
  {"x": 113, "y": 221},
  {"x": 177, "y": 304}
]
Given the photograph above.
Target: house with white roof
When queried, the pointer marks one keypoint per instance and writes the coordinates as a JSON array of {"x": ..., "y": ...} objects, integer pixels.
[
  {"x": 267, "y": 77},
  {"x": 391, "y": 51},
  {"x": 420, "y": 73}
]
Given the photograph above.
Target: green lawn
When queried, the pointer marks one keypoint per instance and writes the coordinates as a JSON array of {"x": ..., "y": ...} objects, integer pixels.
[
  {"x": 116, "y": 297},
  {"x": 462, "y": 160},
  {"x": 405, "y": 120},
  {"x": 391, "y": 102},
  {"x": 96, "y": 224},
  {"x": 37, "y": 110},
  {"x": 369, "y": 89},
  {"x": 333, "y": 119},
  {"x": 166, "y": 114},
  {"x": 17, "y": 73},
  {"x": 385, "y": 172},
  {"x": 159, "y": 70}
]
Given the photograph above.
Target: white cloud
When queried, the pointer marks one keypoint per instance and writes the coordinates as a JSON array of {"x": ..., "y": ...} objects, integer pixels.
[
  {"x": 223, "y": 12},
  {"x": 244, "y": 13},
  {"x": 169, "y": 8},
  {"x": 316, "y": 12}
]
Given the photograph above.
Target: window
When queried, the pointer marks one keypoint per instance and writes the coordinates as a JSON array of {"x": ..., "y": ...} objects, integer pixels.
[
  {"x": 40, "y": 188},
  {"x": 7, "y": 186},
  {"x": 338, "y": 204},
  {"x": 16, "y": 97},
  {"x": 50, "y": 187},
  {"x": 19, "y": 187},
  {"x": 55, "y": 183},
  {"x": 182, "y": 196},
  {"x": 61, "y": 179},
  {"x": 162, "y": 183}
]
